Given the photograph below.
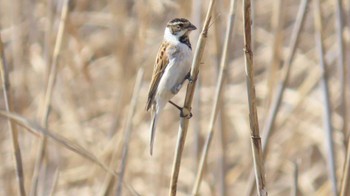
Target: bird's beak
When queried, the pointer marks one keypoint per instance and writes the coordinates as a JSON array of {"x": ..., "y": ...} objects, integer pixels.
[{"x": 191, "y": 27}]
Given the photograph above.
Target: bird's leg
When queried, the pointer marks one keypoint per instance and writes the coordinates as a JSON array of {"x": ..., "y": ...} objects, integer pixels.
[
  {"x": 182, "y": 111},
  {"x": 175, "y": 105}
]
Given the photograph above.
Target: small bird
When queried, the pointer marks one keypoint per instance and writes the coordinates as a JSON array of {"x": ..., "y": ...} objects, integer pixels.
[{"x": 171, "y": 69}]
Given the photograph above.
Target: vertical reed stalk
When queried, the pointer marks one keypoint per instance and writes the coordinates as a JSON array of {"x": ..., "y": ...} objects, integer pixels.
[
  {"x": 341, "y": 67},
  {"x": 107, "y": 187},
  {"x": 12, "y": 127},
  {"x": 188, "y": 101},
  {"x": 197, "y": 19},
  {"x": 252, "y": 25},
  {"x": 345, "y": 188},
  {"x": 55, "y": 182},
  {"x": 279, "y": 92},
  {"x": 253, "y": 115},
  {"x": 285, "y": 74},
  {"x": 215, "y": 108},
  {"x": 45, "y": 107},
  {"x": 295, "y": 187},
  {"x": 128, "y": 129},
  {"x": 326, "y": 99},
  {"x": 221, "y": 188},
  {"x": 277, "y": 24}
]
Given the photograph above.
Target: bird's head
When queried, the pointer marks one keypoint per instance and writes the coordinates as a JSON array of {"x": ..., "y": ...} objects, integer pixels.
[{"x": 179, "y": 27}]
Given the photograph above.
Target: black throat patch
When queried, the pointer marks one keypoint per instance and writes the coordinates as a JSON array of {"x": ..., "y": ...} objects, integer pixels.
[{"x": 185, "y": 40}]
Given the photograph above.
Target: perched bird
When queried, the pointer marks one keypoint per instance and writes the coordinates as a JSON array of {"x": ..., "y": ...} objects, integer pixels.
[{"x": 172, "y": 66}]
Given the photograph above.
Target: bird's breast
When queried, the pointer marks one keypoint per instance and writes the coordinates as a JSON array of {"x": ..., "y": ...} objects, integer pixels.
[{"x": 175, "y": 72}]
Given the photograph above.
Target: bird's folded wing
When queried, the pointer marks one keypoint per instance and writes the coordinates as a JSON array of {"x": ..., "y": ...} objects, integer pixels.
[{"x": 160, "y": 65}]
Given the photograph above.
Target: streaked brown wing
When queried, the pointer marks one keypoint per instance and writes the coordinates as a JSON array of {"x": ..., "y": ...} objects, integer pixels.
[{"x": 162, "y": 61}]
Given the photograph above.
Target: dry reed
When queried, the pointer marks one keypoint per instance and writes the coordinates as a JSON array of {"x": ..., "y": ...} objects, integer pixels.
[
  {"x": 37, "y": 129},
  {"x": 253, "y": 115},
  {"x": 127, "y": 131},
  {"x": 345, "y": 188},
  {"x": 12, "y": 127},
  {"x": 45, "y": 107},
  {"x": 327, "y": 118},
  {"x": 104, "y": 44},
  {"x": 295, "y": 185},
  {"x": 279, "y": 92},
  {"x": 184, "y": 121},
  {"x": 217, "y": 97},
  {"x": 342, "y": 69}
]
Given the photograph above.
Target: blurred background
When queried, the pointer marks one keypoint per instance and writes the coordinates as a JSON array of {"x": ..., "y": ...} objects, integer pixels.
[{"x": 103, "y": 46}]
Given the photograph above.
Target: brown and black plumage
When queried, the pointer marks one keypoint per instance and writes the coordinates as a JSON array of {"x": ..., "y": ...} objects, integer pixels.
[{"x": 172, "y": 64}]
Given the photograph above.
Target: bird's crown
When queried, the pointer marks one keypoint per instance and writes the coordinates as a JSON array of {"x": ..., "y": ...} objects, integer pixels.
[{"x": 180, "y": 24}]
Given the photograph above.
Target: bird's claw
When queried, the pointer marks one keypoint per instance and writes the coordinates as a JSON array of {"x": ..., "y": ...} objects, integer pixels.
[
  {"x": 185, "y": 113},
  {"x": 189, "y": 78}
]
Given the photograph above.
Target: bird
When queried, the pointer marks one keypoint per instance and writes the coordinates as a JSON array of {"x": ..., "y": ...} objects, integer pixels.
[{"x": 171, "y": 68}]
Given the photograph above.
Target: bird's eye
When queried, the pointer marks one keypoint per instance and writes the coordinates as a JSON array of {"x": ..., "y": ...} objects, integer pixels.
[{"x": 181, "y": 25}]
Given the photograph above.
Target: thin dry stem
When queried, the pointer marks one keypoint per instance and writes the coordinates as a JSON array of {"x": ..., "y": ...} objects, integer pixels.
[
  {"x": 327, "y": 119},
  {"x": 345, "y": 188},
  {"x": 45, "y": 107},
  {"x": 104, "y": 44},
  {"x": 128, "y": 129},
  {"x": 341, "y": 67},
  {"x": 37, "y": 130},
  {"x": 188, "y": 101},
  {"x": 215, "y": 108},
  {"x": 12, "y": 127},
  {"x": 253, "y": 115},
  {"x": 285, "y": 74},
  {"x": 55, "y": 182},
  {"x": 276, "y": 103},
  {"x": 295, "y": 187},
  {"x": 197, "y": 19},
  {"x": 221, "y": 139},
  {"x": 277, "y": 21}
]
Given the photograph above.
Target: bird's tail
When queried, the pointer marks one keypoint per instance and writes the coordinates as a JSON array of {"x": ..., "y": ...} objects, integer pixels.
[{"x": 153, "y": 131}]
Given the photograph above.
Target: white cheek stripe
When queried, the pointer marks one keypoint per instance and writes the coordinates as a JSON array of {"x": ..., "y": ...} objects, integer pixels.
[{"x": 168, "y": 36}]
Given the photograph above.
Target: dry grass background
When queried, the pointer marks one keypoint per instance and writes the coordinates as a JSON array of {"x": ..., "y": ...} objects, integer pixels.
[{"x": 105, "y": 43}]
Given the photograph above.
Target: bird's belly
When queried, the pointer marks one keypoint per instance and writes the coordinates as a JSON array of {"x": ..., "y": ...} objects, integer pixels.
[{"x": 174, "y": 74}]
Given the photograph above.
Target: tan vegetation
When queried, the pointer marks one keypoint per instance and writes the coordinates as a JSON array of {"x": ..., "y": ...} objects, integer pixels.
[{"x": 80, "y": 79}]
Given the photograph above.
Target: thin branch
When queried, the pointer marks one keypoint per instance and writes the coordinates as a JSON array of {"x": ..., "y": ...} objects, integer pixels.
[
  {"x": 253, "y": 115},
  {"x": 12, "y": 127},
  {"x": 327, "y": 119},
  {"x": 48, "y": 94},
  {"x": 188, "y": 101},
  {"x": 215, "y": 108}
]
